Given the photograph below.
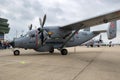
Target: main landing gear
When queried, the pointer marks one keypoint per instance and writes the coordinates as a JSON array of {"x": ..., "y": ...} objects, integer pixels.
[
  {"x": 51, "y": 50},
  {"x": 16, "y": 52},
  {"x": 64, "y": 52}
]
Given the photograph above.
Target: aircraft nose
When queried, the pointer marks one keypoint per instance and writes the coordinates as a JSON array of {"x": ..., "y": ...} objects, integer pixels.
[{"x": 12, "y": 44}]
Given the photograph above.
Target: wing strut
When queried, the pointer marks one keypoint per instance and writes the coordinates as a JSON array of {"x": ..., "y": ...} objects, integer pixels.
[{"x": 71, "y": 35}]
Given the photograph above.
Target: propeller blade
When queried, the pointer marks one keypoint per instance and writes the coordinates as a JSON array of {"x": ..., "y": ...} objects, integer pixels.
[
  {"x": 30, "y": 27},
  {"x": 42, "y": 38},
  {"x": 44, "y": 19},
  {"x": 40, "y": 21}
]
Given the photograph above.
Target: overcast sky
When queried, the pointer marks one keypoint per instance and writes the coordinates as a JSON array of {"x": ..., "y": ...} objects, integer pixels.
[{"x": 22, "y": 13}]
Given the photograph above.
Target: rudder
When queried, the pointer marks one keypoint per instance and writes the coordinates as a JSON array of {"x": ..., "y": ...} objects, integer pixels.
[{"x": 112, "y": 30}]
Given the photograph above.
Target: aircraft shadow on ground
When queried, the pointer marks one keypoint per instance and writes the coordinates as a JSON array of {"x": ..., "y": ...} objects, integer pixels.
[
  {"x": 51, "y": 54},
  {"x": 57, "y": 53},
  {"x": 39, "y": 54},
  {"x": 85, "y": 52}
]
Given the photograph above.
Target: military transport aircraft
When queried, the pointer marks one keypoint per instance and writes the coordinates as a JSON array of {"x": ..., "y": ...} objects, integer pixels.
[{"x": 59, "y": 37}]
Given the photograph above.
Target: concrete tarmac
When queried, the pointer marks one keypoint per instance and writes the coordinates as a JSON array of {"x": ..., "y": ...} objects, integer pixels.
[{"x": 80, "y": 64}]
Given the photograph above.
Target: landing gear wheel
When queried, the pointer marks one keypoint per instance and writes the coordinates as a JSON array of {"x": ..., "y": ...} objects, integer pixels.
[
  {"x": 16, "y": 52},
  {"x": 91, "y": 45},
  {"x": 51, "y": 51},
  {"x": 98, "y": 45},
  {"x": 64, "y": 52}
]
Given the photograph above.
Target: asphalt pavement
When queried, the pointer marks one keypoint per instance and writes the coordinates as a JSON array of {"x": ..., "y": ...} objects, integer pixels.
[{"x": 81, "y": 63}]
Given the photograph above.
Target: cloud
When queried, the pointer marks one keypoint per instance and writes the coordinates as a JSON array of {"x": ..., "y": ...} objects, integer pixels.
[{"x": 21, "y": 13}]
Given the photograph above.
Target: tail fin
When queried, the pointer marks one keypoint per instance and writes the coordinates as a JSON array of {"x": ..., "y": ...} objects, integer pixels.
[
  {"x": 87, "y": 29},
  {"x": 112, "y": 30}
]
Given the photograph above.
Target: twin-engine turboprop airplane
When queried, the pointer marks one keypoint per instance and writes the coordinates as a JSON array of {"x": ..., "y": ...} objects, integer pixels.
[{"x": 59, "y": 37}]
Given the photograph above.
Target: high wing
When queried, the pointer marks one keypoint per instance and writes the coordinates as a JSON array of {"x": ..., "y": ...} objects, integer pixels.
[
  {"x": 89, "y": 23},
  {"x": 93, "y": 21}
]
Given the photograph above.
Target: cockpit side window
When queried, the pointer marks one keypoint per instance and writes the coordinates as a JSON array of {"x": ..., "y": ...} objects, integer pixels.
[{"x": 30, "y": 35}]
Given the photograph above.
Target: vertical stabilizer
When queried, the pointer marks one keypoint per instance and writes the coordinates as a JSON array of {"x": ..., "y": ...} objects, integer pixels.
[{"x": 112, "y": 30}]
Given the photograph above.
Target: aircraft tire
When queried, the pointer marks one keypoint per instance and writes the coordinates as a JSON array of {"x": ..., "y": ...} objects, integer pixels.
[
  {"x": 98, "y": 45},
  {"x": 64, "y": 52},
  {"x": 16, "y": 52},
  {"x": 91, "y": 45},
  {"x": 51, "y": 51}
]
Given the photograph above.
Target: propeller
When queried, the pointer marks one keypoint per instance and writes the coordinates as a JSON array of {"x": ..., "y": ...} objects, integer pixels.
[{"x": 41, "y": 30}]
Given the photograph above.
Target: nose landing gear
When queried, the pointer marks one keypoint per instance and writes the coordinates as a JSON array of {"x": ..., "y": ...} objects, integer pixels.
[{"x": 16, "y": 52}]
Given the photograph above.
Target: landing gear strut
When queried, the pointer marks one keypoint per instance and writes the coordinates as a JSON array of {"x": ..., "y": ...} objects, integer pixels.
[
  {"x": 16, "y": 52},
  {"x": 64, "y": 52}
]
